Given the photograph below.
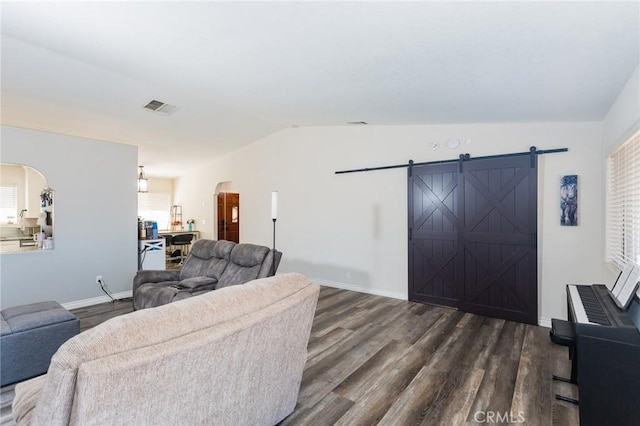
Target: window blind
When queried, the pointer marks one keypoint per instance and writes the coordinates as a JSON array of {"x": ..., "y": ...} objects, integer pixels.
[
  {"x": 623, "y": 203},
  {"x": 155, "y": 206},
  {"x": 8, "y": 203}
]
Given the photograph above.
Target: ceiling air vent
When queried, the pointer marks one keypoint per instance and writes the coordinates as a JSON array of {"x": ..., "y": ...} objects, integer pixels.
[
  {"x": 160, "y": 107},
  {"x": 356, "y": 123}
]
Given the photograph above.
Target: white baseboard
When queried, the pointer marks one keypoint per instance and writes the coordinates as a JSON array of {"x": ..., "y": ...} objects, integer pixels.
[
  {"x": 95, "y": 300},
  {"x": 544, "y": 322},
  {"x": 359, "y": 289}
]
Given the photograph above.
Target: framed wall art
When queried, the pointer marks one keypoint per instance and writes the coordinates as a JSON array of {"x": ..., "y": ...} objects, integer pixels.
[{"x": 569, "y": 200}]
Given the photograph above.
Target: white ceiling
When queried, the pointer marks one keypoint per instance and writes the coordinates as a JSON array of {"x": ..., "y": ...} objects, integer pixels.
[{"x": 242, "y": 70}]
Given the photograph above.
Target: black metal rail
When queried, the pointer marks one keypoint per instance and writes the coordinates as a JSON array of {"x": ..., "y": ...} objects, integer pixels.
[{"x": 463, "y": 157}]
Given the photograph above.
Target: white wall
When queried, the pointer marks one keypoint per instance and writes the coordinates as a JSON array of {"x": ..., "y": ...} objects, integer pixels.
[
  {"x": 623, "y": 118},
  {"x": 621, "y": 122},
  {"x": 351, "y": 230},
  {"x": 95, "y": 218}
]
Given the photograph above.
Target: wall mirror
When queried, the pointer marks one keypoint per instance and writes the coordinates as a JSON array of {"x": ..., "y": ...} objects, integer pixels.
[{"x": 26, "y": 210}]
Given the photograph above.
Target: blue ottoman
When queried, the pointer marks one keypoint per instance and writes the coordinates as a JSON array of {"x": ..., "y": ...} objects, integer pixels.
[{"x": 30, "y": 335}]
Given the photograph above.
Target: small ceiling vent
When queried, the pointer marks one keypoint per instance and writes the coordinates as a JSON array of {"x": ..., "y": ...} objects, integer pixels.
[
  {"x": 161, "y": 107},
  {"x": 356, "y": 123}
]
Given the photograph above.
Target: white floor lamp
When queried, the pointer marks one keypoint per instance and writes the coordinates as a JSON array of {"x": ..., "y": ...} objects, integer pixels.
[
  {"x": 274, "y": 217},
  {"x": 274, "y": 214}
]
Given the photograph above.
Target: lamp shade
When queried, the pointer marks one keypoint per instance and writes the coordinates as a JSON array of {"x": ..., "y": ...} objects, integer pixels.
[
  {"x": 142, "y": 180},
  {"x": 274, "y": 204}
]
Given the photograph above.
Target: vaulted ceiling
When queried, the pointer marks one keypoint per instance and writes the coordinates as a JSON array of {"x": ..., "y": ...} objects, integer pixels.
[{"x": 239, "y": 71}]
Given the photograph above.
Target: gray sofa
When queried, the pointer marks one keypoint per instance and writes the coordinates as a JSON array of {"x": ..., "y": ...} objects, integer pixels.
[
  {"x": 229, "y": 357},
  {"x": 211, "y": 265}
]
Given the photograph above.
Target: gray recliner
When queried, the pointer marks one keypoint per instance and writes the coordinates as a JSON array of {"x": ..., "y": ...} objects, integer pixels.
[{"x": 210, "y": 265}]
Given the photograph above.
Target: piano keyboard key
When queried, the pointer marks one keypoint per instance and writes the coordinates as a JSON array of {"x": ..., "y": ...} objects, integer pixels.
[
  {"x": 578, "y": 309},
  {"x": 590, "y": 306}
]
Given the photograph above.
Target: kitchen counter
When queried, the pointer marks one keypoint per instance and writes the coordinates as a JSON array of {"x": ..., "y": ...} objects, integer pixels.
[{"x": 196, "y": 234}]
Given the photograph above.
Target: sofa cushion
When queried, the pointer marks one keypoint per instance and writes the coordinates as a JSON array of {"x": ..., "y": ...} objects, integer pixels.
[
  {"x": 246, "y": 262},
  {"x": 223, "y": 249},
  {"x": 195, "y": 282},
  {"x": 24, "y": 403},
  {"x": 4, "y": 327},
  {"x": 198, "y": 260},
  {"x": 220, "y": 260},
  {"x": 150, "y": 295},
  {"x": 34, "y": 315},
  {"x": 248, "y": 255},
  {"x": 204, "y": 249}
]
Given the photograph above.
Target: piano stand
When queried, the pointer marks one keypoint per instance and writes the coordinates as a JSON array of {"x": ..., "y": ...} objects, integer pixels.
[
  {"x": 563, "y": 379},
  {"x": 607, "y": 350},
  {"x": 567, "y": 399},
  {"x": 562, "y": 333}
]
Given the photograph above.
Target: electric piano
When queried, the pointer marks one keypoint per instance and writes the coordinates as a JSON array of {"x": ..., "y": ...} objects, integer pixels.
[{"x": 607, "y": 355}]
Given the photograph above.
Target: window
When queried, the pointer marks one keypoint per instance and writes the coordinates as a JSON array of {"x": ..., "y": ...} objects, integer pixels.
[
  {"x": 8, "y": 204},
  {"x": 623, "y": 203},
  {"x": 155, "y": 206}
]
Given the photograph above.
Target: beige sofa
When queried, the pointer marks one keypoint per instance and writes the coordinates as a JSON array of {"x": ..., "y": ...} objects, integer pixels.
[{"x": 234, "y": 356}]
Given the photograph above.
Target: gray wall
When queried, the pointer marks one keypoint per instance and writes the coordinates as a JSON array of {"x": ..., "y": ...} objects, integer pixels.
[{"x": 95, "y": 218}]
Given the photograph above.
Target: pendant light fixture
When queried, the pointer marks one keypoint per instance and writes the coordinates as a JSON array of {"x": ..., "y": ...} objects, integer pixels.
[{"x": 142, "y": 180}]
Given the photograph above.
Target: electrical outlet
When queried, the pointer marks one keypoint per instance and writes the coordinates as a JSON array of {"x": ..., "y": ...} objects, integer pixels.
[{"x": 99, "y": 279}]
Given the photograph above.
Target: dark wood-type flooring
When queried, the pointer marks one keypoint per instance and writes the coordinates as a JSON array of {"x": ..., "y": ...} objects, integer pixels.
[{"x": 376, "y": 360}]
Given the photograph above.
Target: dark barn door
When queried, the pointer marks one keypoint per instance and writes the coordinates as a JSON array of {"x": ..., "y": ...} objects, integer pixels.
[{"x": 472, "y": 236}]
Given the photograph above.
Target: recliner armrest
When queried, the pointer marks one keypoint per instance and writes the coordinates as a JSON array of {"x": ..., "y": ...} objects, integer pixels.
[
  {"x": 195, "y": 282},
  {"x": 158, "y": 276}
]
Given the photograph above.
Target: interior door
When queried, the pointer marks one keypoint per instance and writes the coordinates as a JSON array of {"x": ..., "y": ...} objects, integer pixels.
[
  {"x": 435, "y": 263},
  {"x": 229, "y": 216},
  {"x": 473, "y": 234}
]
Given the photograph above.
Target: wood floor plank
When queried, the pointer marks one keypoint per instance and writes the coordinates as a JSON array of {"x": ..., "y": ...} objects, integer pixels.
[
  {"x": 323, "y": 376},
  {"x": 91, "y": 316},
  {"x": 481, "y": 347},
  {"x": 456, "y": 397},
  {"x": 509, "y": 344},
  {"x": 409, "y": 327},
  {"x": 381, "y": 312},
  {"x": 372, "y": 406},
  {"x": 410, "y": 408},
  {"x": 532, "y": 394},
  {"x": 318, "y": 344},
  {"x": 326, "y": 412},
  {"x": 420, "y": 401},
  {"x": 564, "y": 414},
  {"x": 343, "y": 315},
  {"x": 337, "y": 299},
  {"x": 450, "y": 354},
  {"x": 376, "y": 324},
  {"x": 361, "y": 380},
  {"x": 375, "y": 360},
  {"x": 335, "y": 312},
  {"x": 495, "y": 393}
]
